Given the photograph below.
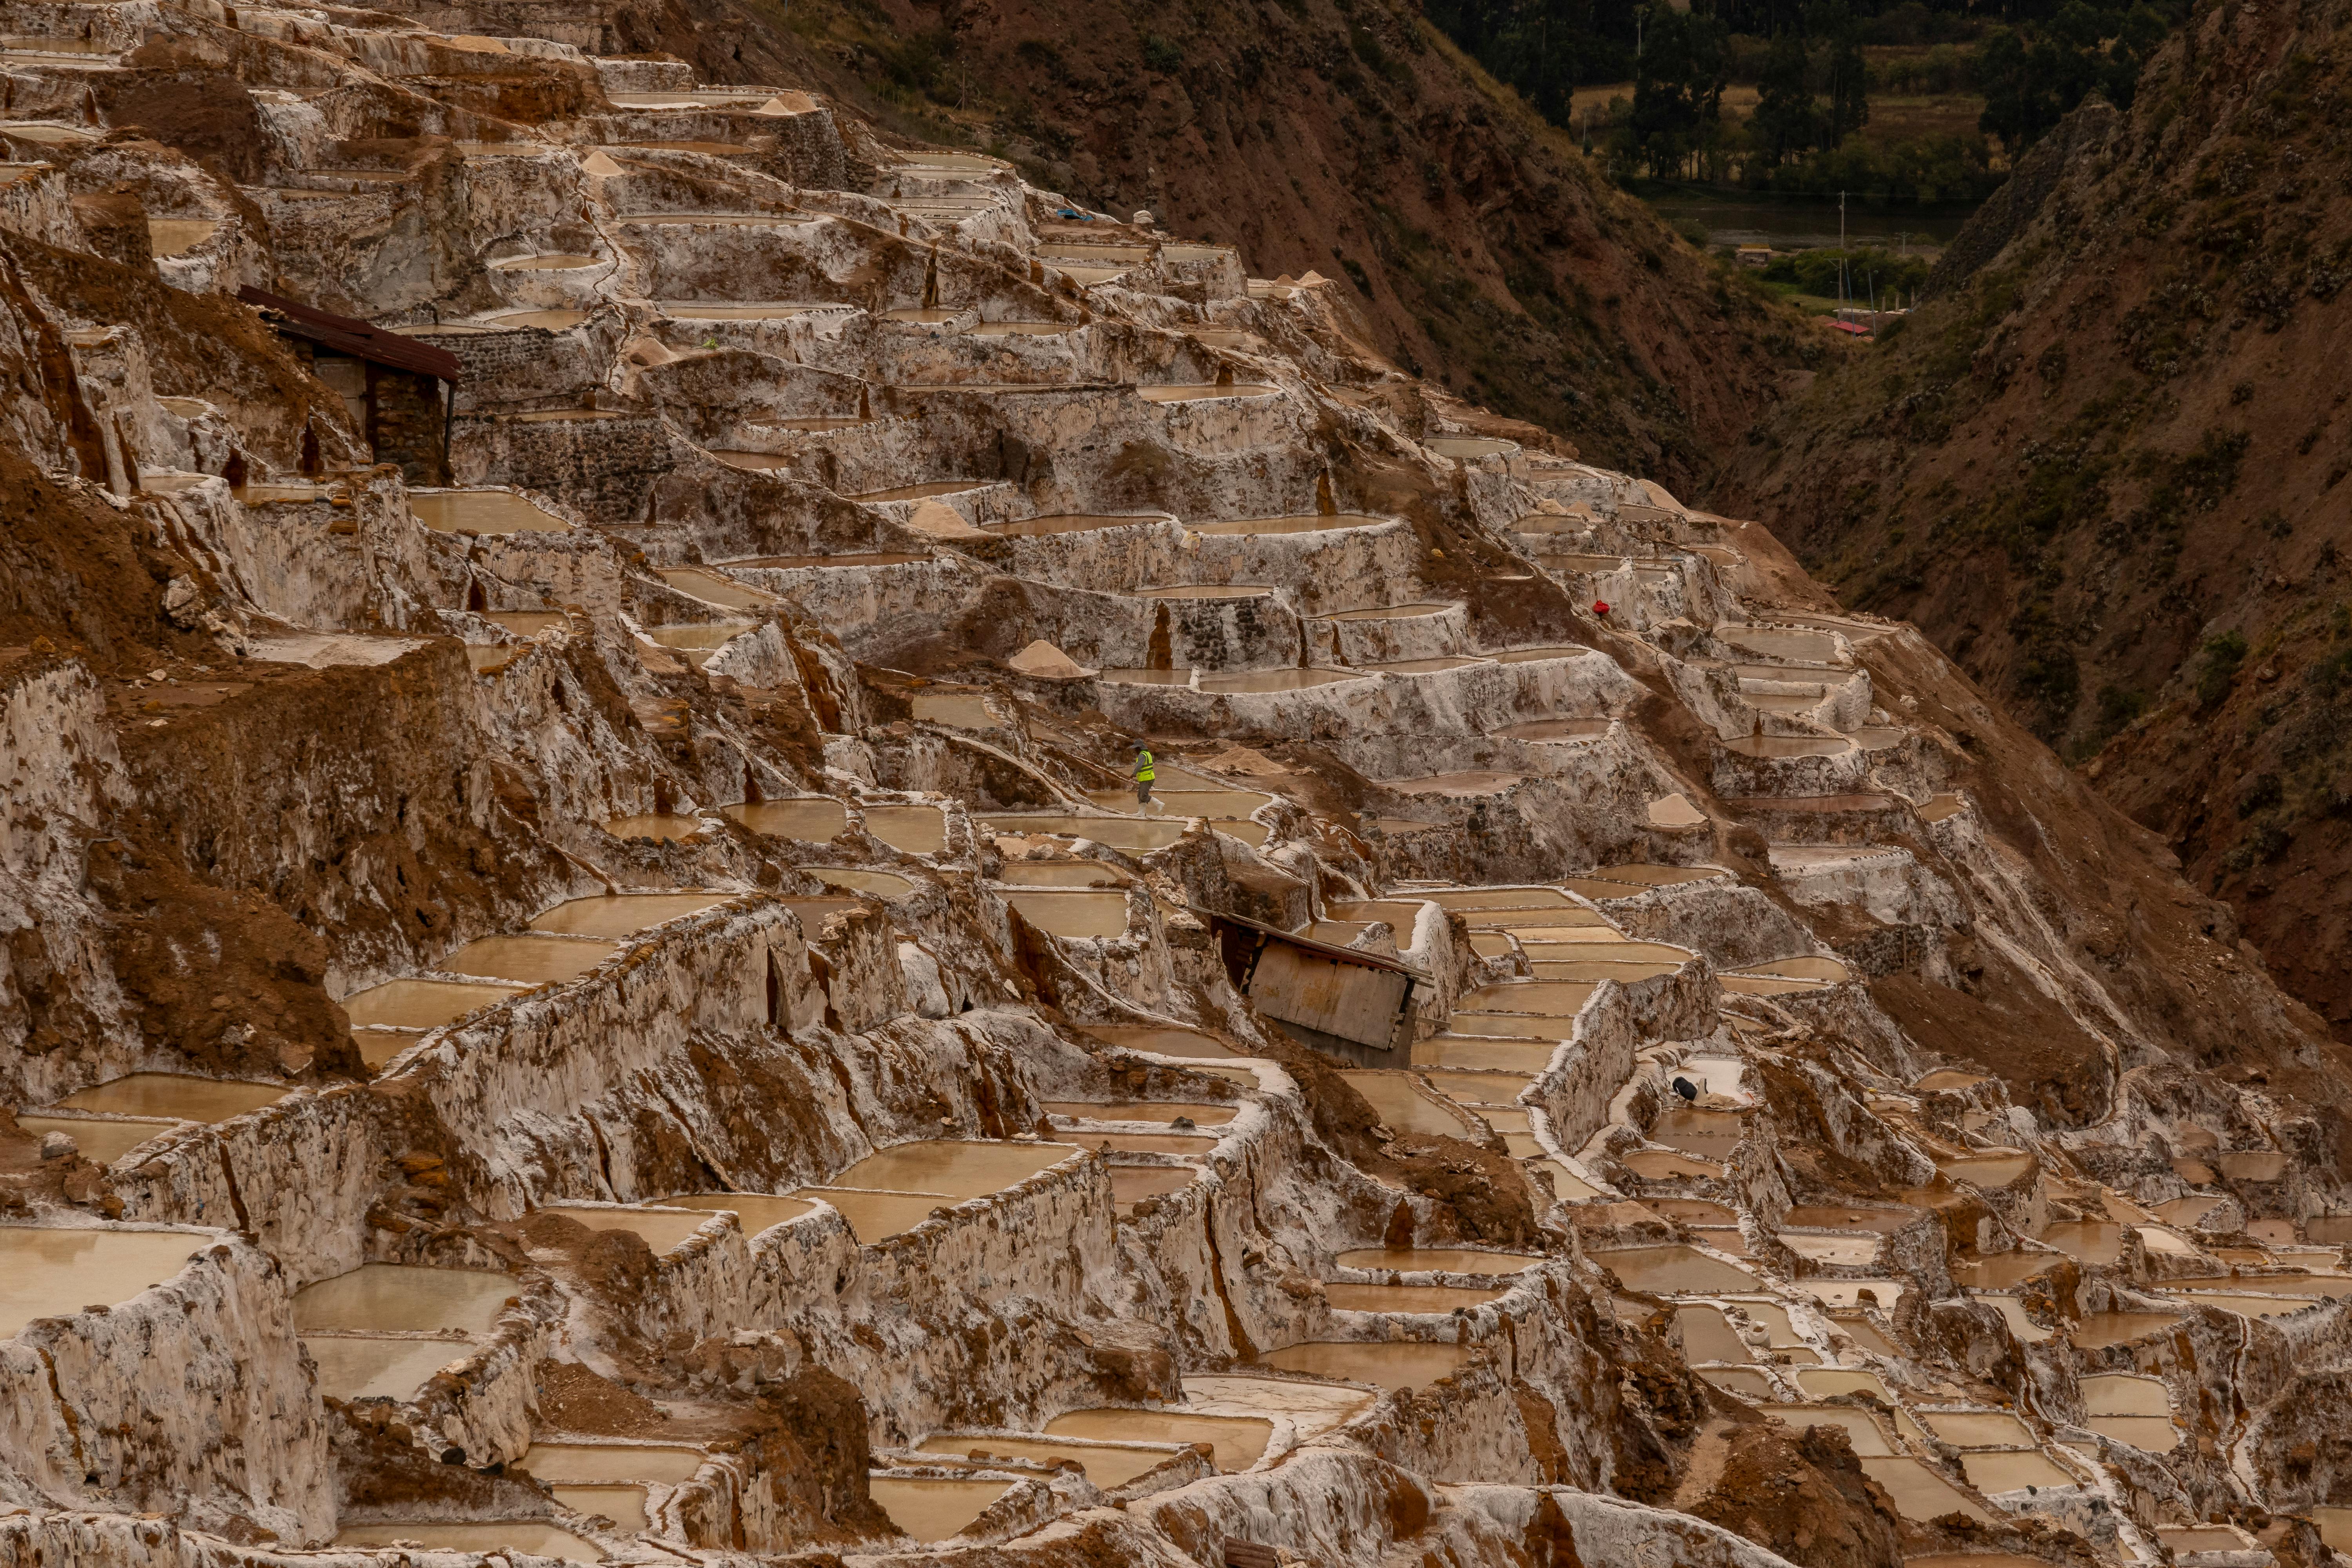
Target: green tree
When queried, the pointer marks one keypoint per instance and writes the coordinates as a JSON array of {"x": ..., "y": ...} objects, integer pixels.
[
  {"x": 1786, "y": 124},
  {"x": 1678, "y": 89},
  {"x": 1849, "y": 76}
]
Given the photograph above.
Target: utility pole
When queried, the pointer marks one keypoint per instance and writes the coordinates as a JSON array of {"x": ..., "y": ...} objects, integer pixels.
[{"x": 1840, "y": 222}]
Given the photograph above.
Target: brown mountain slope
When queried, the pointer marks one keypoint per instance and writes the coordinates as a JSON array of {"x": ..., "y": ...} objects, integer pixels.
[
  {"x": 2103, "y": 466},
  {"x": 1351, "y": 139}
]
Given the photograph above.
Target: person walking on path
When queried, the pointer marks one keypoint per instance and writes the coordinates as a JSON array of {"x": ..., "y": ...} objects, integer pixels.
[{"x": 1144, "y": 775}]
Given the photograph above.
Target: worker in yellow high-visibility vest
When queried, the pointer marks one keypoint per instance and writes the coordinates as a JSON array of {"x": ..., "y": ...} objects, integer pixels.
[{"x": 1144, "y": 776}]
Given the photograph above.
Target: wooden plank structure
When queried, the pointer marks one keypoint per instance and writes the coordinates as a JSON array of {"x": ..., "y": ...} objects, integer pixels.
[{"x": 1345, "y": 1002}]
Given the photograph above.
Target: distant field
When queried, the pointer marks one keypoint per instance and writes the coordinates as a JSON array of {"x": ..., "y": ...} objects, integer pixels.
[{"x": 1891, "y": 118}]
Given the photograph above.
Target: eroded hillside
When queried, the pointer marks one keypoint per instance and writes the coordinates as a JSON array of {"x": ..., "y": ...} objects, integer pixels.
[
  {"x": 2102, "y": 466},
  {"x": 589, "y": 978},
  {"x": 1475, "y": 246}
]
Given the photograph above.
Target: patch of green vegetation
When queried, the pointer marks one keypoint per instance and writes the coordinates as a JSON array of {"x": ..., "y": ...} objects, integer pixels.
[
  {"x": 2217, "y": 671},
  {"x": 2117, "y": 708}
]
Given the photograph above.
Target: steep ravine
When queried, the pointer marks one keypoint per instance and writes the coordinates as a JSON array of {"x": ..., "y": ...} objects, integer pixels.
[{"x": 2102, "y": 465}]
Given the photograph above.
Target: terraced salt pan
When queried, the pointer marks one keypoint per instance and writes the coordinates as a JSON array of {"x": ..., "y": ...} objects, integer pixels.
[
  {"x": 2202, "y": 1538},
  {"x": 1849, "y": 1292},
  {"x": 1780, "y": 643},
  {"x": 698, "y": 642},
  {"x": 2328, "y": 1285},
  {"x": 56, "y": 1271},
  {"x": 622, "y": 914},
  {"x": 813, "y": 818},
  {"x": 1220, "y": 806},
  {"x": 957, "y": 1167},
  {"x": 1467, "y": 1053},
  {"x": 2189, "y": 1210},
  {"x": 1435, "y": 1261},
  {"x": 1268, "y": 680},
  {"x": 1706, "y": 1134},
  {"x": 1203, "y": 392},
  {"x": 930, "y": 490},
  {"x": 714, "y": 588},
  {"x": 2089, "y": 1241},
  {"x": 1745, "y": 1381},
  {"x": 1869, "y": 1438},
  {"x": 1920, "y": 1493},
  {"x": 482, "y": 511},
  {"x": 175, "y": 1097},
  {"x": 1979, "y": 1428},
  {"x": 1471, "y": 446},
  {"x": 1866, "y": 1335},
  {"x": 1673, "y": 1269},
  {"x": 1235, "y": 1442},
  {"x": 874, "y": 1216},
  {"x": 1162, "y": 1041},
  {"x": 1436, "y": 1300},
  {"x": 531, "y": 1536},
  {"x": 935, "y": 1510},
  {"x": 1188, "y": 1145},
  {"x": 662, "y": 1228},
  {"x": 168, "y": 236},
  {"x": 1392, "y": 1364},
  {"x": 1061, "y": 874},
  {"x": 1826, "y": 1382},
  {"x": 756, "y": 1211},
  {"x": 2097, "y": 1330},
  {"x": 1841, "y": 1217},
  {"x": 1667, "y": 1165},
  {"x": 1200, "y": 1113},
  {"x": 624, "y": 1505},
  {"x": 1271, "y": 527},
  {"x": 1107, "y": 1464},
  {"x": 101, "y": 1141},
  {"x": 402, "y": 1298},
  {"x": 1131, "y": 1185},
  {"x": 1074, "y": 522},
  {"x": 1992, "y": 1170},
  {"x": 2003, "y": 1269},
  {"x": 2151, "y": 1434},
  {"x": 422, "y": 1003},
  {"x": 1072, "y": 912},
  {"x": 2120, "y": 1393},
  {"x": 722, "y": 311},
  {"x": 862, "y": 879},
  {"x": 2250, "y": 1164},
  {"x": 667, "y": 828},
  {"x": 590, "y": 1464},
  {"x": 1404, "y": 1107},
  {"x": 2013, "y": 1470},
  {"x": 1480, "y": 1088},
  {"x": 528, "y": 960},
  {"x": 2244, "y": 1305},
  {"x": 1707, "y": 1335},
  {"x": 546, "y": 321},
  {"x": 2012, "y": 1313},
  {"x": 1132, "y": 834},
  {"x": 1534, "y": 1027}
]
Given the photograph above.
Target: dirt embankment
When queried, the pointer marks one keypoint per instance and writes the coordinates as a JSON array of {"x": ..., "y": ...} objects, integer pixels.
[{"x": 2104, "y": 469}]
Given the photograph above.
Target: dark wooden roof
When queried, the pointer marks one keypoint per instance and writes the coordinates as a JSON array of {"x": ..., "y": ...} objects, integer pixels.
[
  {"x": 349, "y": 335},
  {"x": 1331, "y": 951}
]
